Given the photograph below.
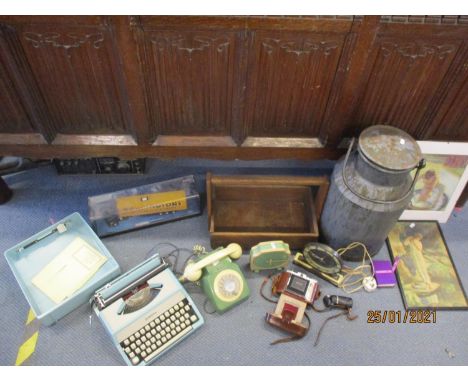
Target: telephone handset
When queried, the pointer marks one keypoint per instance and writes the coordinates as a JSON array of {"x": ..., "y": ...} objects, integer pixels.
[
  {"x": 193, "y": 270},
  {"x": 221, "y": 279}
]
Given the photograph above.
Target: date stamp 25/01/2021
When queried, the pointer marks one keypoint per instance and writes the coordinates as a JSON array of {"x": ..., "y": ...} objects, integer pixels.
[{"x": 399, "y": 317}]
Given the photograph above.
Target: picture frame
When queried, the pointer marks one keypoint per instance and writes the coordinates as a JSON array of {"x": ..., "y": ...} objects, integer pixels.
[
  {"x": 426, "y": 274},
  {"x": 440, "y": 183}
]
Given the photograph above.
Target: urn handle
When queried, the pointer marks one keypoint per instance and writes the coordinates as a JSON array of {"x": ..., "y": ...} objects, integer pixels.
[{"x": 420, "y": 166}]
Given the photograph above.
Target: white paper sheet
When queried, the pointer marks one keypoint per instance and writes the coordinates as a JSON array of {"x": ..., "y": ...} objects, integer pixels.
[{"x": 69, "y": 270}]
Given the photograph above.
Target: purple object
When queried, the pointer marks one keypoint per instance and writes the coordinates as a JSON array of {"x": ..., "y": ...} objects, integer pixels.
[{"x": 384, "y": 273}]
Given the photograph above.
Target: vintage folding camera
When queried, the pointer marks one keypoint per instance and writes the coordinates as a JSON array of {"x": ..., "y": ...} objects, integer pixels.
[
  {"x": 221, "y": 279},
  {"x": 296, "y": 291}
]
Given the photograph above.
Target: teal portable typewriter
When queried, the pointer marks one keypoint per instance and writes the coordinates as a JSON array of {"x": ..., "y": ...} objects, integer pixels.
[{"x": 146, "y": 311}]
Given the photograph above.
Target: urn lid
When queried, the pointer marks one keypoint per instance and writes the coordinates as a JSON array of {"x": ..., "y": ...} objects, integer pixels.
[{"x": 390, "y": 148}]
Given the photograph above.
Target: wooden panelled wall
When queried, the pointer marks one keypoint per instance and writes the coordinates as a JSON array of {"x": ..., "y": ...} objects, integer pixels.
[{"x": 226, "y": 87}]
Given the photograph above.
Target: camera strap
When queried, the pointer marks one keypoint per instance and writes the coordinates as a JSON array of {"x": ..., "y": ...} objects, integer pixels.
[
  {"x": 265, "y": 280},
  {"x": 293, "y": 338},
  {"x": 346, "y": 313}
]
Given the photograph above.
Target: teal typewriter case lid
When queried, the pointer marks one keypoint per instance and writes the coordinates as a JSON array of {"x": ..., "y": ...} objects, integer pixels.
[{"x": 28, "y": 258}]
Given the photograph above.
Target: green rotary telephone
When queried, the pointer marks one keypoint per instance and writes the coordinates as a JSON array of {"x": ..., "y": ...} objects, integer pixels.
[{"x": 220, "y": 278}]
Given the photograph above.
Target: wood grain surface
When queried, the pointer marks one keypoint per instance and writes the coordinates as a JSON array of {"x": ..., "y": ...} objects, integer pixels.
[{"x": 228, "y": 87}]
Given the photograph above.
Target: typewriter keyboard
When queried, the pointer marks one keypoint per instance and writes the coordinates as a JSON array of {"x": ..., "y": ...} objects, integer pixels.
[{"x": 159, "y": 334}]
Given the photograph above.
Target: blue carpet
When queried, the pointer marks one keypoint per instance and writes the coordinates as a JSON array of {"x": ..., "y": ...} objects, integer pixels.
[{"x": 240, "y": 336}]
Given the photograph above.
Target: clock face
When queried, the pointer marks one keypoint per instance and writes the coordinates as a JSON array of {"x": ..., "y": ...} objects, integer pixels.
[
  {"x": 271, "y": 261},
  {"x": 322, "y": 258}
]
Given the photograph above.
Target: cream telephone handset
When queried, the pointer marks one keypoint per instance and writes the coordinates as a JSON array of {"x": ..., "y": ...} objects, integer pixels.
[
  {"x": 193, "y": 271},
  {"x": 220, "y": 278}
]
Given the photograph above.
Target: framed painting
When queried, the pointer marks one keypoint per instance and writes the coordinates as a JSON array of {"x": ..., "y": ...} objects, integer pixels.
[
  {"x": 426, "y": 274},
  {"x": 440, "y": 183}
]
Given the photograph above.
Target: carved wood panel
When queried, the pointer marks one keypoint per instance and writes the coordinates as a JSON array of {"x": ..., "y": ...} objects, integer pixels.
[
  {"x": 450, "y": 111},
  {"x": 77, "y": 71},
  {"x": 405, "y": 74},
  {"x": 454, "y": 125},
  {"x": 189, "y": 82},
  {"x": 289, "y": 82},
  {"x": 19, "y": 102},
  {"x": 226, "y": 87},
  {"x": 13, "y": 117}
]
